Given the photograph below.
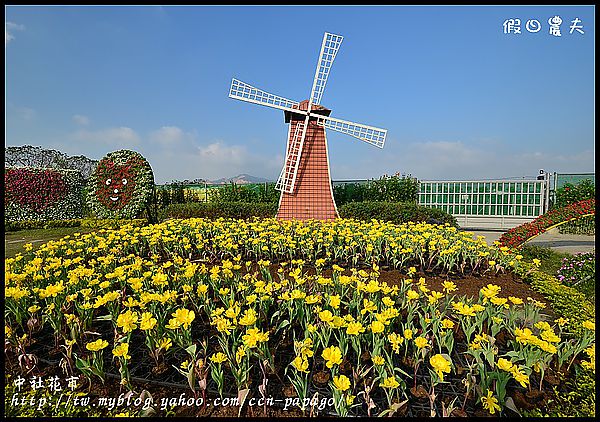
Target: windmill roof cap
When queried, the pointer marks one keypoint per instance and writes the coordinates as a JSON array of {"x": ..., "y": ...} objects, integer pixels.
[{"x": 303, "y": 105}]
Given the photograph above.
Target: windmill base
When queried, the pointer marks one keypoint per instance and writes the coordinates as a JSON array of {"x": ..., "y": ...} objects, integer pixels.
[
  {"x": 302, "y": 209},
  {"x": 313, "y": 195}
]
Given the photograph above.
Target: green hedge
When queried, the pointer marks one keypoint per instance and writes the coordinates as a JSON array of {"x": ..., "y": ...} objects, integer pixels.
[
  {"x": 13, "y": 226},
  {"x": 262, "y": 193},
  {"x": 387, "y": 188},
  {"x": 108, "y": 223},
  {"x": 211, "y": 210},
  {"x": 395, "y": 212},
  {"x": 93, "y": 223}
]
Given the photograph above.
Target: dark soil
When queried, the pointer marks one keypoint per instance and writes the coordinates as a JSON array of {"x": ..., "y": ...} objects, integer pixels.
[{"x": 321, "y": 378}]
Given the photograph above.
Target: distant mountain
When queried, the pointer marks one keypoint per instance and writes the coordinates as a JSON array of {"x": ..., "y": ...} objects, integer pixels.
[{"x": 240, "y": 179}]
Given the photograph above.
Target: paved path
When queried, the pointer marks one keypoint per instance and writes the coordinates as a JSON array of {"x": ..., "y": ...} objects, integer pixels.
[{"x": 571, "y": 243}]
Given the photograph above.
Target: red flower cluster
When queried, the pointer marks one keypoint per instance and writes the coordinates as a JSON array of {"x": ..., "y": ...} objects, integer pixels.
[
  {"x": 516, "y": 236},
  {"x": 116, "y": 183},
  {"x": 36, "y": 189}
]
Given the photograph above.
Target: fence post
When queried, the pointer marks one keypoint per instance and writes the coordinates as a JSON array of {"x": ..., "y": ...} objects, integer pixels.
[
  {"x": 554, "y": 182},
  {"x": 547, "y": 191}
]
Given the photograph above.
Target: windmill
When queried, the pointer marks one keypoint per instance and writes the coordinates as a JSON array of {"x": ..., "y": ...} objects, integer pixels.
[{"x": 305, "y": 181}]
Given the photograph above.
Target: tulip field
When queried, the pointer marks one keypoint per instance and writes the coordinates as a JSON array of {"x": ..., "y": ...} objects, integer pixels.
[{"x": 298, "y": 311}]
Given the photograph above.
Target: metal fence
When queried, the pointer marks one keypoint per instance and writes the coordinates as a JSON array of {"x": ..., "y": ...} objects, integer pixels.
[
  {"x": 485, "y": 198},
  {"x": 487, "y": 204},
  {"x": 560, "y": 179}
]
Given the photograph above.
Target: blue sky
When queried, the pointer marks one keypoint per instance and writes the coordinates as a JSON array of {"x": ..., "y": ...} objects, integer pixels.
[{"x": 460, "y": 98}]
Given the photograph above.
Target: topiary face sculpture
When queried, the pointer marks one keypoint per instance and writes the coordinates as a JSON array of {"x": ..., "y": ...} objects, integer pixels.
[
  {"x": 121, "y": 185},
  {"x": 115, "y": 184}
]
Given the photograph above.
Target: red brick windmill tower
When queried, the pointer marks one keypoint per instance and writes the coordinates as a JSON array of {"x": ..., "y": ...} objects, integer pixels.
[{"x": 305, "y": 182}]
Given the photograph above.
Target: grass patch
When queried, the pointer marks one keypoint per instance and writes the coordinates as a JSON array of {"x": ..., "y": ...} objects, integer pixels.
[{"x": 14, "y": 241}]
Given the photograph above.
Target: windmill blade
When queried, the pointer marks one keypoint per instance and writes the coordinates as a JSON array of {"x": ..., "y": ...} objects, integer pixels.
[
  {"x": 287, "y": 178},
  {"x": 369, "y": 134},
  {"x": 329, "y": 48},
  {"x": 242, "y": 91}
]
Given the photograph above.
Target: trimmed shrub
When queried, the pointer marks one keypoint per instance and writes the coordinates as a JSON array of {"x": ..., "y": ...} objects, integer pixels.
[
  {"x": 42, "y": 194},
  {"x": 13, "y": 226},
  {"x": 232, "y": 192},
  {"x": 170, "y": 194},
  {"x": 78, "y": 222},
  {"x": 395, "y": 212},
  {"x": 95, "y": 223},
  {"x": 121, "y": 186},
  {"x": 211, "y": 210}
]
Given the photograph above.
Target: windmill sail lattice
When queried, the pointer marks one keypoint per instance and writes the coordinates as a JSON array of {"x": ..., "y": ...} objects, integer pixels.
[
  {"x": 329, "y": 48},
  {"x": 289, "y": 171},
  {"x": 305, "y": 182},
  {"x": 372, "y": 135},
  {"x": 245, "y": 92}
]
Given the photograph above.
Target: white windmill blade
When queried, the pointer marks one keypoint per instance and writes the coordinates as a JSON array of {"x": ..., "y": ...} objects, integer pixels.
[
  {"x": 287, "y": 178},
  {"x": 242, "y": 91},
  {"x": 329, "y": 48},
  {"x": 370, "y": 134}
]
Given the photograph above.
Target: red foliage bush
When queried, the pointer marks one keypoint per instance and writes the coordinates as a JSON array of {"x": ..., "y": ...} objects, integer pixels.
[
  {"x": 36, "y": 189},
  {"x": 520, "y": 234}
]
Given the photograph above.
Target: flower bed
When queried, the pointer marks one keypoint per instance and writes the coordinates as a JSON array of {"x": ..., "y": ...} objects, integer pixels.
[
  {"x": 42, "y": 194},
  {"x": 580, "y": 272},
  {"x": 516, "y": 236},
  {"x": 199, "y": 297},
  {"x": 584, "y": 226}
]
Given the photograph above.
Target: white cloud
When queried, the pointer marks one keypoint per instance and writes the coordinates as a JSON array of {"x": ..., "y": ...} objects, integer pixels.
[
  {"x": 458, "y": 160},
  {"x": 9, "y": 28},
  {"x": 81, "y": 119},
  {"x": 116, "y": 136},
  {"x": 25, "y": 113},
  {"x": 578, "y": 162},
  {"x": 447, "y": 160},
  {"x": 177, "y": 154},
  {"x": 217, "y": 151},
  {"x": 170, "y": 136},
  {"x": 189, "y": 158},
  {"x": 19, "y": 112}
]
